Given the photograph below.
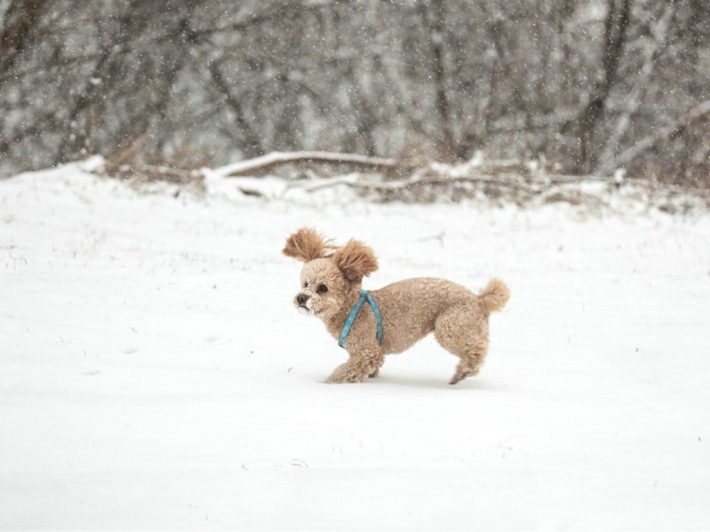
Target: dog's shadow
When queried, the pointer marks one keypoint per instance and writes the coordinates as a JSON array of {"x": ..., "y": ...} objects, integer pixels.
[{"x": 433, "y": 382}]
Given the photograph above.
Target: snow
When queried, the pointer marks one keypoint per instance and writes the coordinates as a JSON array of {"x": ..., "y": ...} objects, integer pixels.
[{"x": 154, "y": 373}]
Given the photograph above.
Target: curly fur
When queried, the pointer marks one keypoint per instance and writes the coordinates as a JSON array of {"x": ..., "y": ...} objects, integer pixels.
[
  {"x": 355, "y": 260},
  {"x": 307, "y": 244},
  {"x": 331, "y": 279}
]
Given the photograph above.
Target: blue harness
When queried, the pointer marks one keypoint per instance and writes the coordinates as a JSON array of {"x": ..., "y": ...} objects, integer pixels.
[{"x": 364, "y": 296}]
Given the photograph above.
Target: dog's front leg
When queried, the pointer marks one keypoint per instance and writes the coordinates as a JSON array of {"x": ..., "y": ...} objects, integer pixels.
[{"x": 358, "y": 367}]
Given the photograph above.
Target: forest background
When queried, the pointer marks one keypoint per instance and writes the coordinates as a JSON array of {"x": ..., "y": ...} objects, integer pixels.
[{"x": 582, "y": 88}]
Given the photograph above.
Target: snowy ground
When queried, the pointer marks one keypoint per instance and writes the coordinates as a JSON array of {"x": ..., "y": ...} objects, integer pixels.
[{"x": 153, "y": 373}]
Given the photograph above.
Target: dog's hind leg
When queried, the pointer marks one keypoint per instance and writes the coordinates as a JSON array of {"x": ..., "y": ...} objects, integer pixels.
[
  {"x": 463, "y": 331},
  {"x": 471, "y": 361}
]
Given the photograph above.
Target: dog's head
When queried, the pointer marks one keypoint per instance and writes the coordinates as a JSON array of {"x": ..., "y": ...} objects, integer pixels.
[{"x": 332, "y": 275}]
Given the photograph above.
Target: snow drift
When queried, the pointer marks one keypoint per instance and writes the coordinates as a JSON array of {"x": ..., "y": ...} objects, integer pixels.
[{"x": 153, "y": 373}]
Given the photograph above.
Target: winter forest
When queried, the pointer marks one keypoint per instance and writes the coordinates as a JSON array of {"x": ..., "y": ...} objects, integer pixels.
[{"x": 582, "y": 87}]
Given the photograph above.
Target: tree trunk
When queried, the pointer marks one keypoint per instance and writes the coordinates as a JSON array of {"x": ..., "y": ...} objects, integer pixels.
[
  {"x": 20, "y": 17},
  {"x": 434, "y": 16},
  {"x": 616, "y": 26}
]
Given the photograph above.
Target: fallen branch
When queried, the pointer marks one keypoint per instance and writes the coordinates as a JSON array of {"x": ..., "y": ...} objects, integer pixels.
[
  {"x": 430, "y": 178},
  {"x": 356, "y": 181},
  {"x": 275, "y": 159},
  {"x": 439, "y": 181}
]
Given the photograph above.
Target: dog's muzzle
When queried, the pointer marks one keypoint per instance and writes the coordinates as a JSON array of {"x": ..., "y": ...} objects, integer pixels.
[{"x": 304, "y": 304}]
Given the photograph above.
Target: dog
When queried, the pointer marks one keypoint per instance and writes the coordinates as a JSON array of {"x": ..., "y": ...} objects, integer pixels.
[{"x": 390, "y": 320}]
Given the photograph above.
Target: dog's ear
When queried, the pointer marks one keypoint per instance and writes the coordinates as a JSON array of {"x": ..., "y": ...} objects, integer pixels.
[
  {"x": 307, "y": 244},
  {"x": 355, "y": 260}
]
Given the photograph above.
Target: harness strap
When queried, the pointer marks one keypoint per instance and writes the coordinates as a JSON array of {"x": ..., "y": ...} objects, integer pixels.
[{"x": 364, "y": 296}]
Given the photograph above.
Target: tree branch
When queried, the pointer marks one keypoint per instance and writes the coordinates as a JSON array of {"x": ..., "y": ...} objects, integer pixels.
[
  {"x": 275, "y": 159},
  {"x": 649, "y": 142}
]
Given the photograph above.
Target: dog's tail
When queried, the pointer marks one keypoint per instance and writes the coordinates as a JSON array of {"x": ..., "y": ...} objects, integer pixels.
[{"x": 495, "y": 295}]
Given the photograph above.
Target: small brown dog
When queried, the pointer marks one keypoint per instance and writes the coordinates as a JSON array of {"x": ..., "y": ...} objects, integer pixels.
[{"x": 396, "y": 316}]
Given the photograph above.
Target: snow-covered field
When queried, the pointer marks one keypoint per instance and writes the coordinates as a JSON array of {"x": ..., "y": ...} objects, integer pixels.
[{"x": 154, "y": 374}]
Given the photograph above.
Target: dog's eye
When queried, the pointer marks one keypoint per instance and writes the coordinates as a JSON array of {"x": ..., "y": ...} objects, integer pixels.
[{"x": 322, "y": 289}]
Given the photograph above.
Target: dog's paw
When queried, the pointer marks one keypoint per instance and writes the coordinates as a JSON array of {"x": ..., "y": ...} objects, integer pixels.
[
  {"x": 343, "y": 374},
  {"x": 342, "y": 379},
  {"x": 460, "y": 375}
]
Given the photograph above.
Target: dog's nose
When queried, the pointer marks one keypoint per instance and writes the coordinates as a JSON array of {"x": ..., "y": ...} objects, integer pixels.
[{"x": 301, "y": 299}]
